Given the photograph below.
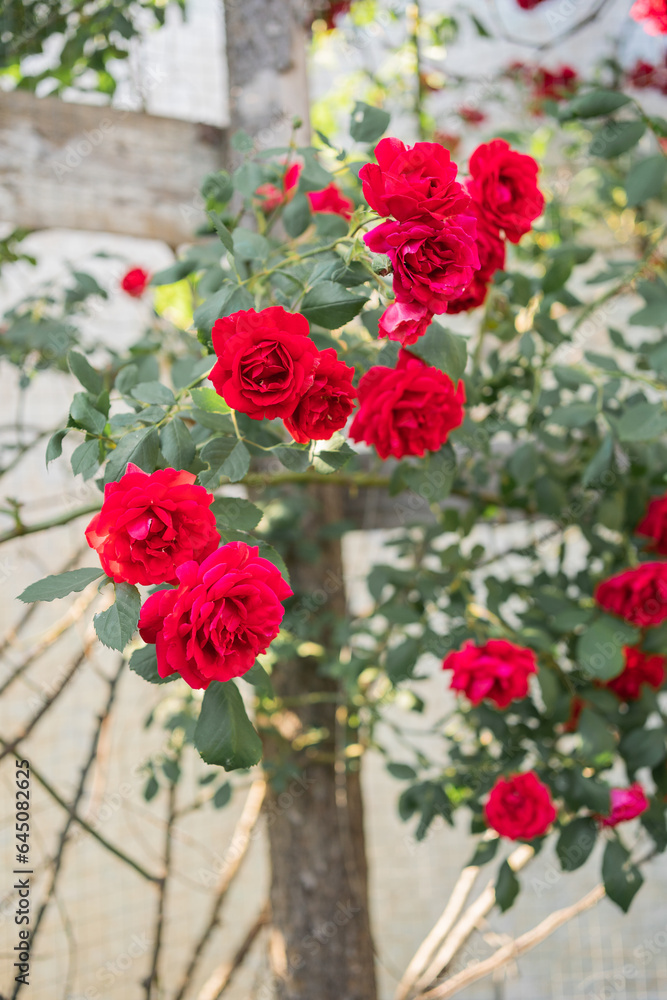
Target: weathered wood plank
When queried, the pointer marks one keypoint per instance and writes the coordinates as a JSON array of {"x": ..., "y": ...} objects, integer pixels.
[{"x": 83, "y": 167}]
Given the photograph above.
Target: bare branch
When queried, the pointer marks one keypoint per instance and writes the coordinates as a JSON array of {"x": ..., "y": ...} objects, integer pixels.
[
  {"x": 239, "y": 844},
  {"x": 219, "y": 980},
  {"x": 515, "y": 948},
  {"x": 153, "y": 979},
  {"x": 30, "y": 529}
]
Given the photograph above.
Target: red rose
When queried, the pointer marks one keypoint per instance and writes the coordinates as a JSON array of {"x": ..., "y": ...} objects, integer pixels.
[
  {"x": 328, "y": 403},
  {"x": 151, "y": 524},
  {"x": 651, "y": 14},
  {"x": 639, "y": 595},
  {"x": 407, "y": 410},
  {"x": 223, "y": 613},
  {"x": 433, "y": 262},
  {"x": 135, "y": 282},
  {"x": 266, "y": 361},
  {"x": 571, "y": 724},
  {"x": 626, "y": 803},
  {"x": 335, "y": 10},
  {"x": 557, "y": 85},
  {"x": 498, "y": 670},
  {"x": 411, "y": 182},
  {"x": 640, "y": 668},
  {"x": 520, "y": 807},
  {"x": 405, "y": 322},
  {"x": 504, "y": 184},
  {"x": 331, "y": 199},
  {"x": 491, "y": 249},
  {"x": 654, "y": 524},
  {"x": 528, "y": 4},
  {"x": 272, "y": 197}
]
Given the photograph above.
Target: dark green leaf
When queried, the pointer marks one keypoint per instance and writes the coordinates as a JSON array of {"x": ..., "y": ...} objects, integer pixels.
[
  {"x": 485, "y": 851},
  {"x": 81, "y": 368},
  {"x": 176, "y": 444},
  {"x": 226, "y": 237},
  {"x": 215, "y": 454},
  {"x": 222, "y": 795},
  {"x": 368, "y": 123},
  {"x": 139, "y": 447},
  {"x": 153, "y": 392},
  {"x": 615, "y": 138},
  {"x": 557, "y": 274},
  {"x": 593, "y": 104},
  {"x": 330, "y": 305},
  {"x": 401, "y": 771},
  {"x": 54, "y": 448},
  {"x": 60, "y": 585},
  {"x": 250, "y": 246},
  {"x": 86, "y": 459},
  {"x": 642, "y": 748},
  {"x": 151, "y": 789},
  {"x": 599, "y": 649},
  {"x": 576, "y": 842},
  {"x": 236, "y": 464},
  {"x": 208, "y": 400},
  {"x": 297, "y": 216},
  {"x": 144, "y": 662},
  {"x": 507, "y": 887},
  {"x": 175, "y": 272},
  {"x": 600, "y": 462},
  {"x": 236, "y": 513},
  {"x": 333, "y": 457},
  {"x": 260, "y": 680},
  {"x": 444, "y": 350},
  {"x": 621, "y": 879},
  {"x": 646, "y": 179},
  {"x": 85, "y": 415},
  {"x": 402, "y": 659},
  {"x": 573, "y": 415},
  {"x": 643, "y": 422},
  {"x": 598, "y": 742},
  {"x": 116, "y": 626},
  {"x": 224, "y": 733}
]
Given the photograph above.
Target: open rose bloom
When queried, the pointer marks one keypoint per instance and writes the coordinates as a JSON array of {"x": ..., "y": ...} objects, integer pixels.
[
  {"x": 520, "y": 807},
  {"x": 224, "y": 612},
  {"x": 150, "y": 524},
  {"x": 497, "y": 671}
]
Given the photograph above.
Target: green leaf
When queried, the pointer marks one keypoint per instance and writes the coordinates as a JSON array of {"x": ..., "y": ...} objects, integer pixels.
[
  {"x": 294, "y": 458},
  {"x": 331, "y": 306},
  {"x": 590, "y": 793},
  {"x": 557, "y": 274},
  {"x": 250, "y": 246},
  {"x": 642, "y": 748},
  {"x": 599, "y": 649},
  {"x": 208, "y": 400},
  {"x": 139, "y": 447},
  {"x": 82, "y": 370},
  {"x": 144, "y": 662},
  {"x": 646, "y": 179},
  {"x": 576, "y": 842},
  {"x": 599, "y": 463},
  {"x": 402, "y": 660},
  {"x": 236, "y": 513},
  {"x": 116, "y": 626},
  {"x": 621, "y": 879},
  {"x": 642, "y": 422},
  {"x": 151, "y": 789},
  {"x": 368, "y": 123},
  {"x": 153, "y": 392},
  {"x": 598, "y": 742},
  {"x": 573, "y": 415},
  {"x": 85, "y": 415},
  {"x": 218, "y": 186},
  {"x": 444, "y": 350},
  {"x": 176, "y": 444},
  {"x": 654, "y": 312},
  {"x": 615, "y": 138},
  {"x": 260, "y": 680},
  {"x": 86, "y": 459},
  {"x": 333, "y": 457},
  {"x": 297, "y": 215},
  {"x": 236, "y": 464},
  {"x": 593, "y": 104},
  {"x": 523, "y": 465},
  {"x": 222, "y": 795},
  {"x": 175, "y": 272},
  {"x": 224, "y": 734},
  {"x": 485, "y": 851},
  {"x": 54, "y": 448},
  {"x": 215, "y": 454},
  {"x": 507, "y": 887},
  {"x": 401, "y": 771},
  {"x": 60, "y": 585},
  {"x": 226, "y": 237}
]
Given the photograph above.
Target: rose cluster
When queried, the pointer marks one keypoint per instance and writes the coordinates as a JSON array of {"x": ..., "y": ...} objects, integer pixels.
[
  {"x": 444, "y": 239},
  {"x": 268, "y": 366},
  {"x": 226, "y": 605}
]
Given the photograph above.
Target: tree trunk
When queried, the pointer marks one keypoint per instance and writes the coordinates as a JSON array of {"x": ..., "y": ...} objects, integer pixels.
[{"x": 320, "y": 946}]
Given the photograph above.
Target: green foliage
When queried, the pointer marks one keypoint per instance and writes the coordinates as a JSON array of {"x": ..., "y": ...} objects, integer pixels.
[{"x": 224, "y": 734}]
